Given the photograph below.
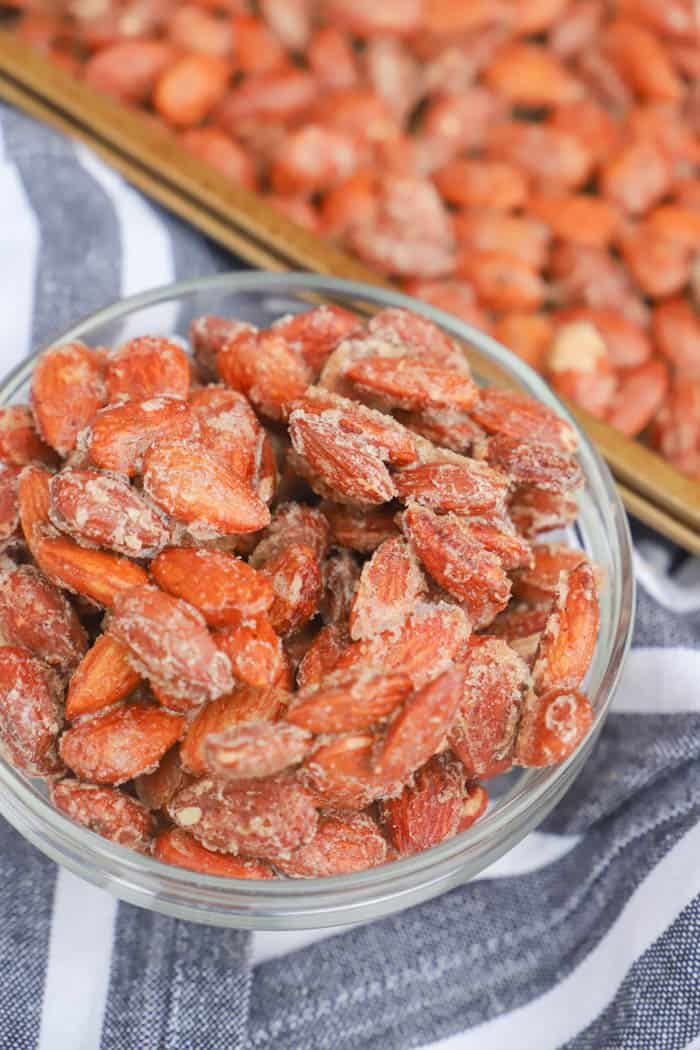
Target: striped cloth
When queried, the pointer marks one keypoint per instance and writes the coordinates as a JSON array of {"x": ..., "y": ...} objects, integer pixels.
[{"x": 586, "y": 936}]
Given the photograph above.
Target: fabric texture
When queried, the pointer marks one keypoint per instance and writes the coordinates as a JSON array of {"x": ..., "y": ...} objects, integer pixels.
[{"x": 586, "y": 936}]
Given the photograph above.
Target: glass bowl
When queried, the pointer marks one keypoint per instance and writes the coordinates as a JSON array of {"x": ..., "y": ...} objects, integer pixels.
[{"x": 520, "y": 800}]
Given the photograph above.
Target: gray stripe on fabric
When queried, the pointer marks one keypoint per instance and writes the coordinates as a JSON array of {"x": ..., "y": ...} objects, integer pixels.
[
  {"x": 657, "y": 1006},
  {"x": 613, "y": 773},
  {"x": 473, "y": 954},
  {"x": 658, "y": 627},
  {"x": 196, "y": 257},
  {"x": 175, "y": 985},
  {"x": 26, "y": 905},
  {"x": 79, "y": 265}
]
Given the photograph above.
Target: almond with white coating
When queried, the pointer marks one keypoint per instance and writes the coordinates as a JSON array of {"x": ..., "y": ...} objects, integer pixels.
[
  {"x": 457, "y": 560},
  {"x": 407, "y": 383},
  {"x": 120, "y": 434},
  {"x": 381, "y": 433},
  {"x": 483, "y": 735},
  {"x": 292, "y": 523},
  {"x": 297, "y": 584},
  {"x": 67, "y": 390},
  {"x": 568, "y": 640},
  {"x": 103, "y": 510},
  {"x": 343, "y": 843},
  {"x": 244, "y": 704},
  {"x": 552, "y": 727},
  {"x": 260, "y": 818},
  {"x": 30, "y": 712},
  {"x": 186, "y": 481},
  {"x": 106, "y": 811},
  {"x": 424, "y": 645},
  {"x": 354, "y": 699},
  {"x": 121, "y": 743},
  {"x": 469, "y": 487},
  {"x": 225, "y": 589},
  {"x": 145, "y": 367},
  {"x": 36, "y": 614},
  {"x": 168, "y": 640},
  {"x": 390, "y": 584},
  {"x": 255, "y": 749},
  {"x": 343, "y": 460}
]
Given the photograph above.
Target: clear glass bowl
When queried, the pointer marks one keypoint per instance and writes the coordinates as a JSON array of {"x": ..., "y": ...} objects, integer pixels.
[{"x": 520, "y": 801}]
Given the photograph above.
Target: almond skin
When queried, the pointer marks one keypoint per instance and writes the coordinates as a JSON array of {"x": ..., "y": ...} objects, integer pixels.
[
  {"x": 266, "y": 818},
  {"x": 177, "y": 847},
  {"x": 169, "y": 640},
  {"x": 119, "y": 744},
  {"x": 225, "y": 589},
  {"x": 103, "y": 677},
  {"x": 105, "y": 511},
  {"x": 187, "y": 481},
  {"x": 30, "y": 712},
  {"x": 67, "y": 390},
  {"x": 106, "y": 811}
]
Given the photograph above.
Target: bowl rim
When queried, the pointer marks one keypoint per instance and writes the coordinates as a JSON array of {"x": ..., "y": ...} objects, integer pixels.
[{"x": 130, "y": 874}]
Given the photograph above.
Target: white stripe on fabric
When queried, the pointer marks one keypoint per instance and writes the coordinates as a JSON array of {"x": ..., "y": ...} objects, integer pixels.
[
  {"x": 271, "y": 944},
  {"x": 536, "y": 851},
  {"x": 660, "y": 682},
  {"x": 147, "y": 256},
  {"x": 18, "y": 259},
  {"x": 77, "y": 972},
  {"x": 571, "y": 1005}
]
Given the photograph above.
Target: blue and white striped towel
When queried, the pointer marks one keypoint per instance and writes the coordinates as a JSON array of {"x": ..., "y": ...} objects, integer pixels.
[{"x": 586, "y": 936}]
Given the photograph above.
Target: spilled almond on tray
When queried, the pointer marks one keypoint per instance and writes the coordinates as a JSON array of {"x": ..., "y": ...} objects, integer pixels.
[{"x": 530, "y": 166}]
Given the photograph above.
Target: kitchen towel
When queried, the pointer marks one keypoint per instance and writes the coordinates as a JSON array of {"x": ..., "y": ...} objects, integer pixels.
[{"x": 586, "y": 936}]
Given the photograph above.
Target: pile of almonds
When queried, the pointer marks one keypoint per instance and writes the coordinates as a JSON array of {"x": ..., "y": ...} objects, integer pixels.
[
  {"x": 286, "y": 622},
  {"x": 529, "y": 165}
]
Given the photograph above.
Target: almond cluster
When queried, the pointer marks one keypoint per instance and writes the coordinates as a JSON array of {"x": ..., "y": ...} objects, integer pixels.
[{"x": 281, "y": 606}]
